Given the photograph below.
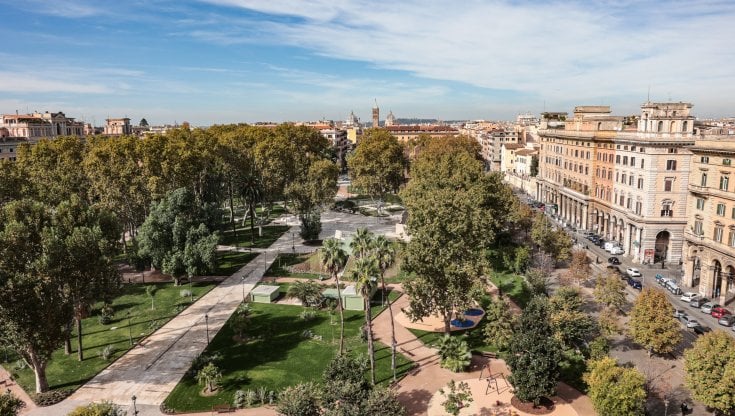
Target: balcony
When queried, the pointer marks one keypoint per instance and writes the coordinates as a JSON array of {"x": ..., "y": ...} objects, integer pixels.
[{"x": 699, "y": 189}]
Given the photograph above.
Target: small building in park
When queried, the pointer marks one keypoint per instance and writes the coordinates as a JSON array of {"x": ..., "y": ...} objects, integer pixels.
[{"x": 264, "y": 293}]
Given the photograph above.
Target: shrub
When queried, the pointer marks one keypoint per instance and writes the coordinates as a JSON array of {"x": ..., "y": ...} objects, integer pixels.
[
  {"x": 598, "y": 348},
  {"x": 307, "y": 315},
  {"x": 209, "y": 377},
  {"x": 311, "y": 226},
  {"x": 262, "y": 395},
  {"x": 50, "y": 398},
  {"x": 185, "y": 293},
  {"x": 454, "y": 352},
  {"x": 458, "y": 397},
  {"x": 10, "y": 405},
  {"x": 299, "y": 400},
  {"x": 107, "y": 353},
  {"x": 106, "y": 314},
  {"x": 251, "y": 397},
  {"x": 238, "y": 401},
  {"x": 98, "y": 409}
]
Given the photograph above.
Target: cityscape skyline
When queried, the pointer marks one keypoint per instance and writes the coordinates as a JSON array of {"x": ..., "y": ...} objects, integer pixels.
[{"x": 222, "y": 61}]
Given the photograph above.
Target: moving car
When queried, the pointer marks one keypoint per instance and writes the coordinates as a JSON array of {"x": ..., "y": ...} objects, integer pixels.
[
  {"x": 635, "y": 284},
  {"x": 707, "y": 307},
  {"x": 689, "y": 296},
  {"x": 697, "y": 303},
  {"x": 613, "y": 260},
  {"x": 617, "y": 250},
  {"x": 718, "y": 312},
  {"x": 700, "y": 329},
  {"x": 678, "y": 313},
  {"x": 727, "y": 320},
  {"x": 689, "y": 322},
  {"x": 633, "y": 272}
]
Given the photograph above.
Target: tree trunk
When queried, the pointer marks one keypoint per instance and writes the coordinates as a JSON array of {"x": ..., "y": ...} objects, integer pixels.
[
  {"x": 80, "y": 351},
  {"x": 232, "y": 212},
  {"x": 125, "y": 243},
  {"x": 371, "y": 348},
  {"x": 252, "y": 223},
  {"x": 392, "y": 329},
  {"x": 67, "y": 340},
  {"x": 39, "y": 369},
  {"x": 447, "y": 323},
  {"x": 341, "y": 317}
]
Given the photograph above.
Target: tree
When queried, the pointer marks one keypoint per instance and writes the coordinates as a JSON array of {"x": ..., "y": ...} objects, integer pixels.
[
  {"x": 454, "y": 213},
  {"x": 652, "y": 323},
  {"x": 345, "y": 388},
  {"x": 175, "y": 238},
  {"x": 362, "y": 243},
  {"x": 209, "y": 377},
  {"x": 383, "y": 402},
  {"x": 299, "y": 400},
  {"x": 99, "y": 409},
  {"x": 610, "y": 291},
  {"x": 614, "y": 390},
  {"x": 34, "y": 327},
  {"x": 241, "y": 319},
  {"x": 498, "y": 324},
  {"x": 534, "y": 166},
  {"x": 334, "y": 259},
  {"x": 376, "y": 167},
  {"x": 252, "y": 192},
  {"x": 521, "y": 259},
  {"x": 550, "y": 239},
  {"x": 10, "y": 405},
  {"x": 13, "y": 183},
  {"x": 309, "y": 293},
  {"x": 538, "y": 281},
  {"x": 454, "y": 352},
  {"x": 385, "y": 254},
  {"x": 365, "y": 275},
  {"x": 534, "y": 353},
  {"x": 710, "y": 370},
  {"x": 579, "y": 267},
  {"x": 143, "y": 122},
  {"x": 572, "y": 326},
  {"x": 607, "y": 321},
  {"x": 310, "y": 192}
]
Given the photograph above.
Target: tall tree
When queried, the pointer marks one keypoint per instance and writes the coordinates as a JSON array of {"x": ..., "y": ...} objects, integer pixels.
[
  {"x": 710, "y": 370},
  {"x": 33, "y": 308},
  {"x": 498, "y": 324},
  {"x": 579, "y": 267},
  {"x": 362, "y": 243},
  {"x": 377, "y": 165},
  {"x": 252, "y": 193},
  {"x": 365, "y": 275},
  {"x": 614, "y": 390},
  {"x": 610, "y": 291},
  {"x": 385, "y": 254},
  {"x": 550, "y": 239},
  {"x": 175, "y": 238},
  {"x": 13, "y": 183},
  {"x": 534, "y": 353},
  {"x": 454, "y": 212},
  {"x": 310, "y": 192},
  {"x": 572, "y": 326},
  {"x": 652, "y": 323},
  {"x": 334, "y": 259}
]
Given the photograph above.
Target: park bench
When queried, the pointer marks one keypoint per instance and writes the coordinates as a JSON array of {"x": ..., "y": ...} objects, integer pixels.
[{"x": 222, "y": 408}]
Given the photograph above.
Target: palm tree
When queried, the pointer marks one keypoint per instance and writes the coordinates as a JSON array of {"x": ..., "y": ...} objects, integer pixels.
[
  {"x": 364, "y": 274},
  {"x": 361, "y": 243},
  {"x": 333, "y": 259},
  {"x": 252, "y": 192},
  {"x": 309, "y": 293},
  {"x": 385, "y": 254}
]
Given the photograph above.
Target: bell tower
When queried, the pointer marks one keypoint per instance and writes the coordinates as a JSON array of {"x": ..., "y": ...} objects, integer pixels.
[{"x": 376, "y": 115}]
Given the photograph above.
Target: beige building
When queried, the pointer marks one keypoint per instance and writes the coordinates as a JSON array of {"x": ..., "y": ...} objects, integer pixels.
[
  {"x": 709, "y": 248},
  {"x": 508, "y": 156},
  {"x": 407, "y": 133},
  {"x": 9, "y": 145},
  {"x": 118, "y": 127},
  {"x": 624, "y": 178},
  {"x": 37, "y": 126}
]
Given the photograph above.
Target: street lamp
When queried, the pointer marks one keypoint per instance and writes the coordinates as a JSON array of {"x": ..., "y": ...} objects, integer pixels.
[
  {"x": 206, "y": 324},
  {"x": 243, "y": 288},
  {"x": 265, "y": 261},
  {"x": 293, "y": 242},
  {"x": 130, "y": 333},
  {"x": 135, "y": 408}
]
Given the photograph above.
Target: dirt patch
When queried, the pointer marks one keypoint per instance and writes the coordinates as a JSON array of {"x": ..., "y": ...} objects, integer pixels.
[{"x": 545, "y": 406}]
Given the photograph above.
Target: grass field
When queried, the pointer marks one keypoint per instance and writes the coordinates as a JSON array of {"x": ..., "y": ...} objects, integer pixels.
[
  {"x": 513, "y": 286},
  {"x": 287, "y": 264},
  {"x": 271, "y": 233},
  {"x": 66, "y": 372},
  {"x": 280, "y": 353}
]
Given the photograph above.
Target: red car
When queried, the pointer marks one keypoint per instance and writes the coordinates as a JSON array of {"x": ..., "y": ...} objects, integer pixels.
[{"x": 718, "y": 312}]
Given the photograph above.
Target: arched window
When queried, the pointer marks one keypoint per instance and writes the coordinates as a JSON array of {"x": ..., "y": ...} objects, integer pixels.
[
  {"x": 660, "y": 126},
  {"x": 685, "y": 127},
  {"x": 599, "y": 126},
  {"x": 671, "y": 127}
]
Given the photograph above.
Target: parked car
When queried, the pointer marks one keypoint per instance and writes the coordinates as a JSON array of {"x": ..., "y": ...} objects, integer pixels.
[
  {"x": 613, "y": 260},
  {"x": 688, "y": 321},
  {"x": 617, "y": 250},
  {"x": 689, "y": 296},
  {"x": 635, "y": 284},
  {"x": 663, "y": 280},
  {"x": 673, "y": 287},
  {"x": 707, "y": 307},
  {"x": 700, "y": 329},
  {"x": 727, "y": 320},
  {"x": 697, "y": 303},
  {"x": 633, "y": 272},
  {"x": 659, "y": 277},
  {"x": 678, "y": 313},
  {"x": 718, "y": 312},
  {"x": 601, "y": 243}
]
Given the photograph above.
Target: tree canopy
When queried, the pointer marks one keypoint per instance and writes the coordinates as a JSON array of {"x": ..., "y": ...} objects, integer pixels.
[
  {"x": 614, "y": 390},
  {"x": 652, "y": 323},
  {"x": 710, "y": 370},
  {"x": 376, "y": 167}
]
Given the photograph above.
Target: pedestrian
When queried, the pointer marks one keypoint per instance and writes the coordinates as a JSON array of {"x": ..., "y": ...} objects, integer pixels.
[{"x": 684, "y": 408}]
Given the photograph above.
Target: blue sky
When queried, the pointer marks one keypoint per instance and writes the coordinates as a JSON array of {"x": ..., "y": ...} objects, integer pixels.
[{"x": 219, "y": 61}]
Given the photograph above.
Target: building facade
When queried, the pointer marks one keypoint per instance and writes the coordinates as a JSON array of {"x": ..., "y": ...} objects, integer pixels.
[
  {"x": 709, "y": 248},
  {"x": 37, "y": 126},
  {"x": 625, "y": 178},
  {"x": 118, "y": 127}
]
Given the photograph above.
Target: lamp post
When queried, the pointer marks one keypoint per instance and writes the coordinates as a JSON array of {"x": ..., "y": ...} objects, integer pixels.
[
  {"x": 130, "y": 333},
  {"x": 191, "y": 292},
  {"x": 243, "y": 288},
  {"x": 265, "y": 261},
  {"x": 135, "y": 408},
  {"x": 206, "y": 324},
  {"x": 293, "y": 242}
]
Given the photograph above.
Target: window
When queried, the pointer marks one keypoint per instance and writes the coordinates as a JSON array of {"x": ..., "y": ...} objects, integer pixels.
[
  {"x": 643, "y": 163},
  {"x": 630, "y": 180},
  {"x": 700, "y": 204},
  {"x": 726, "y": 162},
  {"x": 703, "y": 182},
  {"x": 597, "y": 172},
  {"x": 617, "y": 176},
  {"x": 666, "y": 209},
  {"x": 672, "y": 150},
  {"x": 632, "y": 161},
  {"x": 622, "y": 200},
  {"x": 724, "y": 181},
  {"x": 718, "y": 234},
  {"x": 698, "y": 227},
  {"x": 668, "y": 184},
  {"x": 640, "y": 183},
  {"x": 628, "y": 203},
  {"x": 671, "y": 165},
  {"x": 721, "y": 210},
  {"x": 625, "y": 160},
  {"x": 704, "y": 159},
  {"x": 632, "y": 148},
  {"x": 617, "y": 158},
  {"x": 609, "y": 175},
  {"x": 731, "y": 238},
  {"x": 638, "y": 207},
  {"x": 624, "y": 179}
]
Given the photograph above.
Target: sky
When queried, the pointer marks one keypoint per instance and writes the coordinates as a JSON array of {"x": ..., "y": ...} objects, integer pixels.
[{"x": 223, "y": 61}]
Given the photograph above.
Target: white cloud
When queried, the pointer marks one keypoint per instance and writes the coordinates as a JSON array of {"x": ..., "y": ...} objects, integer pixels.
[
  {"x": 23, "y": 83},
  {"x": 568, "y": 50}
]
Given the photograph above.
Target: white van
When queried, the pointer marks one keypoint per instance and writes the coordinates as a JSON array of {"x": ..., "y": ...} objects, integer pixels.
[{"x": 609, "y": 245}]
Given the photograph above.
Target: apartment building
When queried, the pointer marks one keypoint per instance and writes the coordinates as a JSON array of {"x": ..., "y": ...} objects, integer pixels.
[
  {"x": 709, "y": 248},
  {"x": 623, "y": 177},
  {"x": 37, "y": 126}
]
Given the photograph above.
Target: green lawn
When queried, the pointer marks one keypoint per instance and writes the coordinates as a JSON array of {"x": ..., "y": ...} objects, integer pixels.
[
  {"x": 230, "y": 262},
  {"x": 271, "y": 233},
  {"x": 513, "y": 286},
  {"x": 66, "y": 372},
  {"x": 279, "y": 355},
  {"x": 309, "y": 263}
]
